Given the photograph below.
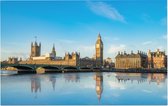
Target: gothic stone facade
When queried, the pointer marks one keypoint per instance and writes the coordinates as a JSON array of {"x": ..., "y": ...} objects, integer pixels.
[
  {"x": 126, "y": 61},
  {"x": 157, "y": 59},
  {"x": 72, "y": 59},
  {"x": 69, "y": 60},
  {"x": 35, "y": 49}
]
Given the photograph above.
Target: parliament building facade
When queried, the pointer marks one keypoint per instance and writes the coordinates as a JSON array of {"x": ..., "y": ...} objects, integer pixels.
[{"x": 70, "y": 59}]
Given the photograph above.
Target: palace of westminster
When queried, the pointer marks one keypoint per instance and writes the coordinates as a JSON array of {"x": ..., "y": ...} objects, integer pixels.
[{"x": 140, "y": 59}]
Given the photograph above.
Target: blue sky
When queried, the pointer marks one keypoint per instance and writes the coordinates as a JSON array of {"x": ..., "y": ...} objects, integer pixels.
[{"x": 74, "y": 26}]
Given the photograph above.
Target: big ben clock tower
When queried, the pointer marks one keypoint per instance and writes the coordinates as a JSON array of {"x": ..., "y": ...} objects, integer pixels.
[{"x": 99, "y": 52}]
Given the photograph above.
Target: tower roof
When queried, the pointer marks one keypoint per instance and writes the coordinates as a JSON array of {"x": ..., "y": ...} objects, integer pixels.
[
  {"x": 99, "y": 39},
  {"x": 35, "y": 43},
  {"x": 99, "y": 36},
  {"x": 53, "y": 49}
]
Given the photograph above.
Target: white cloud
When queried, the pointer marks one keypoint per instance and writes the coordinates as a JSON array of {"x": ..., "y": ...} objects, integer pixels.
[
  {"x": 116, "y": 85},
  {"x": 106, "y": 10},
  {"x": 116, "y": 48},
  {"x": 147, "y": 43}
]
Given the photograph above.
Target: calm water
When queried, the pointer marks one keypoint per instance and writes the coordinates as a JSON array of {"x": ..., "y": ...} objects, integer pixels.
[{"x": 84, "y": 88}]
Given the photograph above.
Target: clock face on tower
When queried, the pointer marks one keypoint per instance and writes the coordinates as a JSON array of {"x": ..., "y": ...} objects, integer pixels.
[{"x": 97, "y": 46}]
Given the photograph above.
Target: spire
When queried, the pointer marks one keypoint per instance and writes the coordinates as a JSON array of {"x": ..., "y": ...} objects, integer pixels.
[
  {"x": 99, "y": 36},
  {"x": 164, "y": 51},
  {"x": 40, "y": 44},
  {"x": 53, "y": 49},
  {"x": 35, "y": 43},
  {"x": 99, "y": 40},
  {"x": 35, "y": 37},
  {"x": 31, "y": 44}
]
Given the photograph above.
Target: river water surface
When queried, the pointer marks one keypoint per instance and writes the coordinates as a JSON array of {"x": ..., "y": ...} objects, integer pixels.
[{"x": 84, "y": 88}]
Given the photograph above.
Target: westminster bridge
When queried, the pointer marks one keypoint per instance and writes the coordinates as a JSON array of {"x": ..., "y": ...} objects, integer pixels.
[
  {"x": 46, "y": 68},
  {"x": 32, "y": 68}
]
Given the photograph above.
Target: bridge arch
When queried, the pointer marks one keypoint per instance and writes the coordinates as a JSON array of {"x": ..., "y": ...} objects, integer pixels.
[
  {"x": 50, "y": 67},
  {"x": 97, "y": 68},
  {"x": 22, "y": 67},
  {"x": 85, "y": 68},
  {"x": 70, "y": 67}
]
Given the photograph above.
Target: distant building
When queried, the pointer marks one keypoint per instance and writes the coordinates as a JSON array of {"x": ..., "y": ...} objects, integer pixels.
[
  {"x": 108, "y": 63},
  {"x": 12, "y": 60},
  {"x": 87, "y": 62},
  {"x": 157, "y": 59},
  {"x": 108, "y": 59},
  {"x": 126, "y": 61},
  {"x": 94, "y": 57}
]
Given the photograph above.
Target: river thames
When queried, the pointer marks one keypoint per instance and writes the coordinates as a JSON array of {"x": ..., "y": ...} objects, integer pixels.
[{"x": 92, "y": 88}]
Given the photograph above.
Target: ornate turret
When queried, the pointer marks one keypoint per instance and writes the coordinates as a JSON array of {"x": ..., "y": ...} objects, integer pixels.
[{"x": 35, "y": 49}]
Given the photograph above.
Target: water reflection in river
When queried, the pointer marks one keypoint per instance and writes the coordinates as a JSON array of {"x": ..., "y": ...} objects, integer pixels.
[{"x": 85, "y": 88}]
